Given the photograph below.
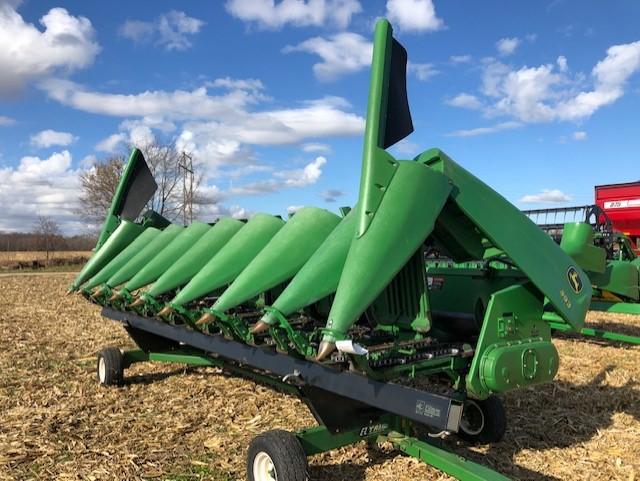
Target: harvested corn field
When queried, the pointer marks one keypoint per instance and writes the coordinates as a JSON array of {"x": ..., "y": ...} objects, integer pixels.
[
  {"x": 174, "y": 423},
  {"x": 7, "y": 256}
]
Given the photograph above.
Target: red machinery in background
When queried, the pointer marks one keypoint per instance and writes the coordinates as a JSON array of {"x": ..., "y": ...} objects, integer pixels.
[{"x": 621, "y": 204}]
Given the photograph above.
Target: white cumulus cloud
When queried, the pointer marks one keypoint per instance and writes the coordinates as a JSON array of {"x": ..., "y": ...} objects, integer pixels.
[
  {"x": 546, "y": 196},
  {"x": 465, "y": 101},
  {"x": 460, "y": 59},
  {"x": 221, "y": 130},
  {"x": 423, "y": 71},
  {"x": 171, "y": 30},
  {"x": 562, "y": 63},
  {"x": 316, "y": 147},
  {"x": 507, "y": 46},
  {"x": 40, "y": 187},
  {"x": 49, "y": 137},
  {"x": 271, "y": 14},
  {"x": 549, "y": 92},
  {"x": 218, "y": 128},
  {"x": 6, "y": 121},
  {"x": 341, "y": 54},
  {"x": 65, "y": 43},
  {"x": 295, "y": 178},
  {"x": 485, "y": 130},
  {"x": 414, "y": 15},
  {"x": 111, "y": 143}
]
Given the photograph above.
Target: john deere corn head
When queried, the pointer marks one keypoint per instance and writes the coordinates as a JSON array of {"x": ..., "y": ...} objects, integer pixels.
[{"x": 338, "y": 309}]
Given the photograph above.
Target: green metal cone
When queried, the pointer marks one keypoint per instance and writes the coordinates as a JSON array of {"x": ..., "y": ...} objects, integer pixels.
[
  {"x": 141, "y": 259},
  {"x": 405, "y": 217},
  {"x": 320, "y": 275},
  {"x": 193, "y": 259},
  {"x": 125, "y": 233},
  {"x": 167, "y": 256},
  {"x": 282, "y": 258},
  {"x": 232, "y": 258},
  {"x": 122, "y": 258}
]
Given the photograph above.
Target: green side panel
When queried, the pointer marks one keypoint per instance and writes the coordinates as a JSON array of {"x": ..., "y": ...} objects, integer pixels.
[
  {"x": 552, "y": 271},
  {"x": 122, "y": 258},
  {"x": 231, "y": 260},
  {"x": 577, "y": 241},
  {"x": 141, "y": 259},
  {"x": 197, "y": 256},
  {"x": 124, "y": 234},
  {"x": 320, "y": 275},
  {"x": 404, "y": 219},
  {"x": 167, "y": 256},
  {"x": 514, "y": 349},
  {"x": 619, "y": 277},
  {"x": 282, "y": 257}
]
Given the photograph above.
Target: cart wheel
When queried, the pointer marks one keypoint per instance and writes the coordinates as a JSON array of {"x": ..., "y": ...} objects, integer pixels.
[
  {"x": 483, "y": 421},
  {"x": 110, "y": 368},
  {"x": 276, "y": 456}
]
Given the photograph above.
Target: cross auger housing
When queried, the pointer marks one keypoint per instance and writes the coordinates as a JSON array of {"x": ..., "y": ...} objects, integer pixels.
[{"x": 336, "y": 307}]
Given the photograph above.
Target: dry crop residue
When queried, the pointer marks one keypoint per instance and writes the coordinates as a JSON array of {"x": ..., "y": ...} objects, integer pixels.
[{"x": 174, "y": 423}]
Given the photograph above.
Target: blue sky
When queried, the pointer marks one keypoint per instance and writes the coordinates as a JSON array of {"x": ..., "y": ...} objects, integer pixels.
[{"x": 538, "y": 99}]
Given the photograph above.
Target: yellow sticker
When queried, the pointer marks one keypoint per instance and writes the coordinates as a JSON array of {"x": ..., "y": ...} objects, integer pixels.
[{"x": 574, "y": 280}]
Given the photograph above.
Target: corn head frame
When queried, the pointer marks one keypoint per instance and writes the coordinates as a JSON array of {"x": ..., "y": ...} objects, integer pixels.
[{"x": 338, "y": 309}]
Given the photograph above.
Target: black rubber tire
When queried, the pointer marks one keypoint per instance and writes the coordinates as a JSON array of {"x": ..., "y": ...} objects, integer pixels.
[
  {"x": 285, "y": 451},
  {"x": 112, "y": 373},
  {"x": 494, "y": 422}
]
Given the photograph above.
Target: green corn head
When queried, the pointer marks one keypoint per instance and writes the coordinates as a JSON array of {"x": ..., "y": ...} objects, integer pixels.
[{"x": 353, "y": 291}]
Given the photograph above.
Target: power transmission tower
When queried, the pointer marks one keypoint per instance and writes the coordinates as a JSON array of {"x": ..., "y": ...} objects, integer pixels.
[{"x": 186, "y": 165}]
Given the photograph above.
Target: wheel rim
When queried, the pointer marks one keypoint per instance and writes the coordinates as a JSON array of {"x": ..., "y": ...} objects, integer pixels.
[
  {"x": 102, "y": 370},
  {"x": 263, "y": 468},
  {"x": 472, "y": 421}
]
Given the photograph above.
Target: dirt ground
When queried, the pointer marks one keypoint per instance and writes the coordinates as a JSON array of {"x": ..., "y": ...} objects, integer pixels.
[{"x": 172, "y": 423}]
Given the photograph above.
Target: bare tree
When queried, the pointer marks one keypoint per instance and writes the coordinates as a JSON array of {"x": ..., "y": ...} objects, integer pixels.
[
  {"x": 98, "y": 188},
  {"x": 48, "y": 234},
  {"x": 163, "y": 161},
  {"x": 99, "y": 184}
]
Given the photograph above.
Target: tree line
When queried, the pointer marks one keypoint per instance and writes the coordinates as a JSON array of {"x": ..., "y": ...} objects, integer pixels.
[{"x": 45, "y": 236}]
